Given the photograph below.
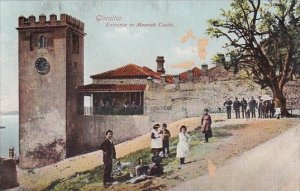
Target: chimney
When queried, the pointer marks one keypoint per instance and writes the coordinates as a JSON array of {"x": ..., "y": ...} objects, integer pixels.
[
  {"x": 160, "y": 64},
  {"x": 204, "y": 68}
]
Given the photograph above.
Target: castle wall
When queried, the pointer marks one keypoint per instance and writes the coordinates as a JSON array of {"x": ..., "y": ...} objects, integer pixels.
[
  {"x": 91, "y": 129},
  {"x": 165, "y": 104}
]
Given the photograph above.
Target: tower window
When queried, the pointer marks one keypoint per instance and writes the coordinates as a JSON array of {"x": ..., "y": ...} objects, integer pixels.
[
  {"x": 42, "y": 41},
  {"x": 75, "y": 43}
]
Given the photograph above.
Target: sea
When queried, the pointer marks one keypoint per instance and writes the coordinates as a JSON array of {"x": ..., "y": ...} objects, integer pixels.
[{"x": 9, "y": 136}]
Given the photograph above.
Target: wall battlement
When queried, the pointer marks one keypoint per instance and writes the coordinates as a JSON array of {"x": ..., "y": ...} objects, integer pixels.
[{"x": 43, "y": 22}]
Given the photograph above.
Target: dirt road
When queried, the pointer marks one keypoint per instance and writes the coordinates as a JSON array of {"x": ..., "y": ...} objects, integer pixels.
[{"x": 274, "y": 165}]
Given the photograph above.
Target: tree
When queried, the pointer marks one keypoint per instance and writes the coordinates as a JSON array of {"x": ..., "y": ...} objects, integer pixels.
[{"x": 262, "y": 37}]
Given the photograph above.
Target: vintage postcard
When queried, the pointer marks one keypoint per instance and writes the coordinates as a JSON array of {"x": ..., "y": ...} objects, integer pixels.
[{"x": 150, "y": 95}]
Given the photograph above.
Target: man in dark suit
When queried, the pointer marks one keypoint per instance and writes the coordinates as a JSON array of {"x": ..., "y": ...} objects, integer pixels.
[
  {"x": 252, "y": 106},
  {"x": 109, "y": 153},
  {"x": 244, "y": 107},
  {"x": 236, "y": 107},
  {"x": 228, "y": 104}
]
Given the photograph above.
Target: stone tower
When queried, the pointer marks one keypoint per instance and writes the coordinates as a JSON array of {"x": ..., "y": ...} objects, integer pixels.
[{"x": 50, "y": 68}]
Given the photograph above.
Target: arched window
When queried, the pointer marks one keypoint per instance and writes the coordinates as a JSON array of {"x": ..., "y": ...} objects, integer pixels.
[{"x": 42, "y": 41}]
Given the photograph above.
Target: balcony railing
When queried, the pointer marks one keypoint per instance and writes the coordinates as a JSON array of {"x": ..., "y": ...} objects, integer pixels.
[{"x": 109, "y": 110}]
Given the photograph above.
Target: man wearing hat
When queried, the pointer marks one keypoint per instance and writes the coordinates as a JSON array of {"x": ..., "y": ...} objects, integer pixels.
[
  {"x": 236, "y": 107},
  {"x": 252, "y": 106},
  {"x": 109, "y": 154},
  {"x": 244, "y": 106},
  {"x": 228, "y": 104}
]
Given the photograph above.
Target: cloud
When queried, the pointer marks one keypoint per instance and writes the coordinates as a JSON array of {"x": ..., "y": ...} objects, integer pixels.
[
  {"x": 185, "y": 65},
  {"x": 187, "y": 36},
  {"x": 185, "y": 52},
  {"x": 202, "y": 44}
]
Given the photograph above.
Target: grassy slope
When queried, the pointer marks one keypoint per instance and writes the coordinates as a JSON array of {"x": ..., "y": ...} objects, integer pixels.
[{"x": 92, "y": 179}]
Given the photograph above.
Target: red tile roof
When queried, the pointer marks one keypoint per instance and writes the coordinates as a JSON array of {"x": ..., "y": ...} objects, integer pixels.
[
  {"x": 219, "y": 73},
  {"x": 128, "y": 71},
  {"x": 169, "y": 79},
  {"x": 112, "y": 88},
  {"x": 196, "y": 73}
]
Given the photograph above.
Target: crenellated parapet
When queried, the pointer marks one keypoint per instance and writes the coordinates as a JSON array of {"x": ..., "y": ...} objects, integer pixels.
[{"x": 42, "y": 21}]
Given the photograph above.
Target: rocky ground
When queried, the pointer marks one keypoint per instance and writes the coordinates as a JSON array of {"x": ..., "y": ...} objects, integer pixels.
[{"x": 231, "y": 138}]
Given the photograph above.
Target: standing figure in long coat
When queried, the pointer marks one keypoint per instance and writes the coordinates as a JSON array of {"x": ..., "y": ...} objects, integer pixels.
[
  {"x": 183, "y": 144},
  {"x": 252, "y": 106},
  {"x": 260, "y": 108},
  {"x": 109, "y": 154},
  {"x": 244, "y": 107},
  {"x": 206, "y": 125},
  {"x": 228, "y": 104},
  {"x": 236, "y": 107}
]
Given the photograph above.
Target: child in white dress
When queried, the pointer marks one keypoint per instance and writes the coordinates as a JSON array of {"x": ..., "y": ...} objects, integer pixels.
[
  {"x": 183, "y": 144},
  {"x": 156, "y": 141}
]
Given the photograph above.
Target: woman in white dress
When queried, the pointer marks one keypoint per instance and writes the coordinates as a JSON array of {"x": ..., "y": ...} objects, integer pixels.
[
  {"x": 183, "y": 144},
  {"x": 156, "y": 141}
]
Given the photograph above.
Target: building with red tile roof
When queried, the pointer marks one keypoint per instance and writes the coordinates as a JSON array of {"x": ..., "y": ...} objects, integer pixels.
[
  {"x": 129, "y": 71},
  {"x": 194, "y": 73},
  {"x": 128, "y": 83},
  {"x": 112, "y": 87},
  {"x": 120, "y": 88}
]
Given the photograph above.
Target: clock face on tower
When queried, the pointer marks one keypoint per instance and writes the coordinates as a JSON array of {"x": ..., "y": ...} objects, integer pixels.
[{"x": 42, "y": 66}]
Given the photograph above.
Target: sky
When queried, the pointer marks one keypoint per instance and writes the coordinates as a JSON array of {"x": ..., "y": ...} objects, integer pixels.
[{"x": 176, "y": 30}]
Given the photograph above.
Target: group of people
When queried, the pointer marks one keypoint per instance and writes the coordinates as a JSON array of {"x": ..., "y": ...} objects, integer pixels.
[
  {"x": 265, "y": 108},
  {"x": 161, "y": 143},
  {"x": 113, "y": 106},
  {"x": 159, "y": 148}
]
